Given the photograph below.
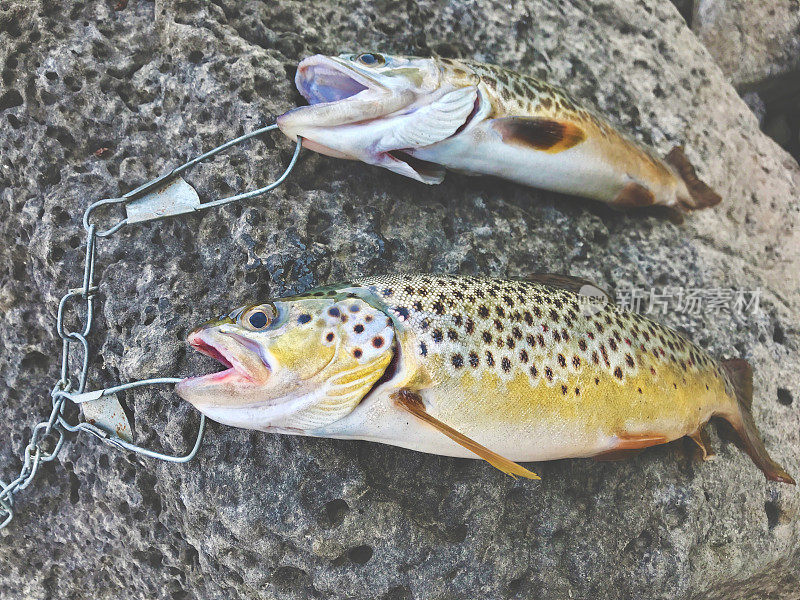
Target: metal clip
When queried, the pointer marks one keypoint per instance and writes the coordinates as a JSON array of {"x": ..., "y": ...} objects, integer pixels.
[
  {"x": 176, "y": 198},
  {"x": 113, "y": 427},
  {"x": 169, "y": 195}
]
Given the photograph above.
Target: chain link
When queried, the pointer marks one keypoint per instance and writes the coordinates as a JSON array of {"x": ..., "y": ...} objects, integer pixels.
[{"x": 72, "y": 389}]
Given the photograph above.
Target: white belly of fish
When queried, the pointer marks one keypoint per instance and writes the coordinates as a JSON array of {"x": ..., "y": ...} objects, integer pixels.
[
  {"x": 378, "y": 419},
  {"x": 580, "y": 170}
]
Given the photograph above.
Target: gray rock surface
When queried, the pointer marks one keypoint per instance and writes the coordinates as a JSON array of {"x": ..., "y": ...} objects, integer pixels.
[
  {"x": 264, "y": 516},
  {"x": 753, "y": 42}
]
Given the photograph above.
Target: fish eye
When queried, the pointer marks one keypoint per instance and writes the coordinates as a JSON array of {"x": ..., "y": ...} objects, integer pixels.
[
  {"x": 258, "y": 317},
  {"x": 371, "y": 60}
]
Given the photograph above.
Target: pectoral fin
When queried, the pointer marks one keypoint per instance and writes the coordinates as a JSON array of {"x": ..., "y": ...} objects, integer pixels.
[
  {"x": 546, "y": 135},
  {"x": 412, "y": 402},
  {"x": 433, "y": 122}
]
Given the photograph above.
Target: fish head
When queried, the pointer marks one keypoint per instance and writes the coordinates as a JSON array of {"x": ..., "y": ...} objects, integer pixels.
[
  {"x": 376, "y": 108},
  {"x": 292, "y": 365}
]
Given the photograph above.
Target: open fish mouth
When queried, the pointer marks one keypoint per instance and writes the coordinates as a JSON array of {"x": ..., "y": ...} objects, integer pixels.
[
  {"x": 322, "y": 80},
  {"x": 243, "y": 361}
]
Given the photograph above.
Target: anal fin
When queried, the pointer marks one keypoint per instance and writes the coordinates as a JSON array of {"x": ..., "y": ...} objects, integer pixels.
[
  {"x": 700, "y": 437},
  {"x": 630, "y": 444},
  {"x": 634, "y": 195},
  {"x": 412, "y": 402}
]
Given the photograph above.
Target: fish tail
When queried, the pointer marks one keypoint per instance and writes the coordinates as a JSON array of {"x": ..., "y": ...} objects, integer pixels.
[
  {"x": 740, "y": 375},
  {"x": 700, "y": 195}
]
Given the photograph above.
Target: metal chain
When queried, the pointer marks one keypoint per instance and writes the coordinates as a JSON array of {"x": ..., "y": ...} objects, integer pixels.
[{"x": 145, "y": 203}]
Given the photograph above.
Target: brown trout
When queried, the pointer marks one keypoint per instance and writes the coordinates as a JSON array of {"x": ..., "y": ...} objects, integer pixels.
[
  {"x": 415, "y": 116},
  {"x": 504, "y": 370}
]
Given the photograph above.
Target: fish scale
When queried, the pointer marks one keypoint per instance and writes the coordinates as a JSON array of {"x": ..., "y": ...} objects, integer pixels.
[{"x": 497, "y": 320}]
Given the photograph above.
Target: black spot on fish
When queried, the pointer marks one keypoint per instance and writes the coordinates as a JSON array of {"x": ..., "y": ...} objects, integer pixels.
[
  {"x": 629, "y": 360},
  {"x": 548, "y": 372},
  {"x": 470, "y": 326},
  {"x": 487, "y": 337},
  {"x": 437, "y": 335},
  {"x": 423, "y": 349},
  {"x": 489, "y": 359},
  {"x": 510, "y": 342},
  {"x": 473, "y": 359},
  {"x": 562, "y": 362},
  {"x": 402, "y": 312},
  {"x": 534, "y": 371},
  {"x": 438, "y": 307},
  {"x": 576, "y": 362},
  {"x": 537, "y": 311},
  {"x": 458, "y": 361},
  {"x": 333, "y": 311},
  {"x": 355, "y": 308},
  {"x": 388, "y": 292},
  {"x": 329, "y": 337},
  {"x": 408, "y": 290},
  {"x": 417, "y": 305},
  {"x": 523, "y": 356},
  {"x": 377, "y": 341},
  {"x": 451, "y": 333},
  {"x": 498, "y": 325},
  {"x": 302, "y": 319},
  {"x": 358, "y": 328},
  {"x": 517, "y": 332},
  {"x": 483, "y": 311},
  {"x": 531, "y": 340},
  {"x": 357, "y": 352},
  {"x": 506, "y": 364},
  {"x": 618, "y": 373},
  {"x": 582, "y": 345},
  {"x": 528, "y": 318}
]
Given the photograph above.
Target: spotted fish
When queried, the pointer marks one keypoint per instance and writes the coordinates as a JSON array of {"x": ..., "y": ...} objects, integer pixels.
[
  {"x": 416, "y": 116},
  {"x": 505, "y": 370}
]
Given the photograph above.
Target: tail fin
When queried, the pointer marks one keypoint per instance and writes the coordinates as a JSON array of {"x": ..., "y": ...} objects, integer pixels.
[
  {"x": 701, "y": 196},
  {"x": 740, "y": 375}
]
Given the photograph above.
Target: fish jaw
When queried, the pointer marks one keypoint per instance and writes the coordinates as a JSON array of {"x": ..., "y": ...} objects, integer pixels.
[
  {"x": 247, "y": 367},
  {"x": 338, "y": 94}
]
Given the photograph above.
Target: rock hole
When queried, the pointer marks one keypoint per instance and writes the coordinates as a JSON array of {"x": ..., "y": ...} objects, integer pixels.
[
  {"x": 398, "y": 592},
  {"x": 10, "y": 99},
  {"x": 288, "y": 577},
  {"x": 778, "y": 335},
  {"x": 74, "y": 484},
  {"x": 785, "y": 397},
  {"x": 360, "y": 554},
  {"x": 34, "y": 361},
  {"x": 773, "y": 513},
  {"x": 336, "y": 511}
]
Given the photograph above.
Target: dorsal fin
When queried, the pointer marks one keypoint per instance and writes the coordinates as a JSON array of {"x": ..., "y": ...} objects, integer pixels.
[{"x": 570, "y": 283}]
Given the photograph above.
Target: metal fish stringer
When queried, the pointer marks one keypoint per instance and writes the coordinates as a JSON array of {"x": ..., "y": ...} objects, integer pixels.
[{"x": 103, "y": 415}]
